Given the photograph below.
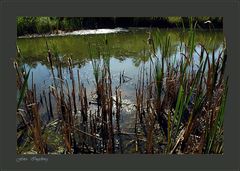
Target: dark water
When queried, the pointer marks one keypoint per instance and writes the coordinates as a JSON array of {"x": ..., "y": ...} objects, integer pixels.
[{"x": 126, "y": 51}]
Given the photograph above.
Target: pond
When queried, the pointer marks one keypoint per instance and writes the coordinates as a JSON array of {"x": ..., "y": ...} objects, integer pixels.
[{"x": 127, "y": 52}]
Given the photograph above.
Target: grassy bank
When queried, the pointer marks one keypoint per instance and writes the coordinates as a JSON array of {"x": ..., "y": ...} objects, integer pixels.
[{"x": 41, "y": 25}]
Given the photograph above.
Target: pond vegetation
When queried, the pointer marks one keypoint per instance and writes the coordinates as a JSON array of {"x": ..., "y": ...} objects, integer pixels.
[{"x": 146, "y": 91}]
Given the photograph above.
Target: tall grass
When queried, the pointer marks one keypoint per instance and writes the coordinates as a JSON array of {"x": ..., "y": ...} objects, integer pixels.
[{"x": 179, "y": 105}]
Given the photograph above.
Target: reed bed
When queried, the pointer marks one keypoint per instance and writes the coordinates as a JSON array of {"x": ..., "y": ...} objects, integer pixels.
[{"x": 179, "y": 106}]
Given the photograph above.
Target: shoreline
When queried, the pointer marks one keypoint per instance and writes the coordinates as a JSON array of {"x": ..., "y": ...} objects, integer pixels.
[
  {"x": 61, "y": 33},
  {"x": 76, "y": 32}
]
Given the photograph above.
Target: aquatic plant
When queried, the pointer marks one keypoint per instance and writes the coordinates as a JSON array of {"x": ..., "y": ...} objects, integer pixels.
[{"x": 179, "y": 104}]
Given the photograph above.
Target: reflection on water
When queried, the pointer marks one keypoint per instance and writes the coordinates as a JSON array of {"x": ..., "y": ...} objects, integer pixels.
[
  {"x": 126, "y": 52},
  {"x": 132, "y": 44}
]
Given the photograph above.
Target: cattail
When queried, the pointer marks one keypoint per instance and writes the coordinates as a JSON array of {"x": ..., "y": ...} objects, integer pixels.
[
  {"x": 70, "y": 61},
  {"x": 15, "y": 64}
]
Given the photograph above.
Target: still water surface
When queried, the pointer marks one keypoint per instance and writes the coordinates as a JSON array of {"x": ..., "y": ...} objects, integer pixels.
[{"x": 126, "y": 51}]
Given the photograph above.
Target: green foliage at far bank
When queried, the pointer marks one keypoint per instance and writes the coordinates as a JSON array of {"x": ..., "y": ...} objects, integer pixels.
[{"x": 43, "y": 25}]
